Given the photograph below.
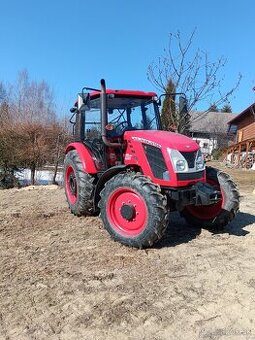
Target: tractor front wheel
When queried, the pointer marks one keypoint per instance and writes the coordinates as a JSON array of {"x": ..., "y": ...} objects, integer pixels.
[
  {"x": 133, "y": 210},
  {"x": 78, "y": 185},
  {"x": 218, "y": 215}
]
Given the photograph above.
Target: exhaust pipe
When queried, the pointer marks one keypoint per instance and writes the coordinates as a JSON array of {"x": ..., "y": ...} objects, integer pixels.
[{"x": 104, "y": 122}]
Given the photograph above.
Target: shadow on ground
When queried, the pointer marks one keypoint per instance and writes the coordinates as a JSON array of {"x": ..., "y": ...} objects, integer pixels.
[
  {"x": 236, "y": 227},
  {"x": 178, "y": 231}
]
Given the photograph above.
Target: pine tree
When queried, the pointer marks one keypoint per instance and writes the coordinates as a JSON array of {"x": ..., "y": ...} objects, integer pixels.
[
  {"x": 174, "y": 115},
  {"x": 213, "y": 108},
  {"x": 226, "y": 108},
  {"x": 168, "y": 113}
]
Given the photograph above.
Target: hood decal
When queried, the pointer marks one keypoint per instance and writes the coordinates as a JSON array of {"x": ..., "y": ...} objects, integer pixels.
[{"x": 146, "y": 141}]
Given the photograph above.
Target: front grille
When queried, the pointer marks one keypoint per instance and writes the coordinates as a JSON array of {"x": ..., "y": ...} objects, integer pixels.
[
  {"x": 156, "y": 160},
  {"x": 190, "y": 158},
  {"x": 186, "y": 176}
]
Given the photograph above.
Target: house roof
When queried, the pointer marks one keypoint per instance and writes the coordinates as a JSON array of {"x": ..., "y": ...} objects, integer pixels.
[
  {"x": 210, "y": 122},
  {"x": 245, "y": 113}
]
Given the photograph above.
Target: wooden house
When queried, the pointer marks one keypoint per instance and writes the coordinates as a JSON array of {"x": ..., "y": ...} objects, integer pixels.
[{"x": 242, "y": 152}]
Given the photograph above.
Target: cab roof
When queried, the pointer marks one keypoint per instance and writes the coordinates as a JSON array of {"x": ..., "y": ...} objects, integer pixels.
[
  {"x": 137, "y": 95},
  {"x": 124, "y": 93}
]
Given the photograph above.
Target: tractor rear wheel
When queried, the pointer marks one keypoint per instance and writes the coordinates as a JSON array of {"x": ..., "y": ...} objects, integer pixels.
[
  {"x": 218, "y": 215},
  {"x": 78, "y": 185},
  {"x": 133, "y": 210}
]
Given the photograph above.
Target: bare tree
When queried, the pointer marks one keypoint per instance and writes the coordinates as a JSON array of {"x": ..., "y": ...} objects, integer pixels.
[
  {"x": 8, "y": 161},
  {"x": 31, "y": 134},
  {"x": 9, "y": 155},
  {"x": 32, "y": 101},
  {"x": 32, "y": 110},
  {"x": 4, "y": 105},
  {"x": 191, "y": 73},
  {"x": 60, "y": 137}
]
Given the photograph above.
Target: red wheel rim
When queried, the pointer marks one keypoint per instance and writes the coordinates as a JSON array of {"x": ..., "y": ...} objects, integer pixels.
[
  {"x": 134, "y": 225},
  {"x": 71, "y": 185},
  {"x": 210, "y": 211}
]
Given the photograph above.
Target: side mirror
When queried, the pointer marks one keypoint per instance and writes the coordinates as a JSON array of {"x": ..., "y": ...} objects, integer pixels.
[
  {"x": 86, "y": 99},
  {"x": 83, "y": 99},
  {"x": 183, "y": 104},
  {"x": 73, "y": 109}
]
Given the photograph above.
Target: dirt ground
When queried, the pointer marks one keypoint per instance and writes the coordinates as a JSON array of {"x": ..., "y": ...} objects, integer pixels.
[{"x": 62, "y": 277}]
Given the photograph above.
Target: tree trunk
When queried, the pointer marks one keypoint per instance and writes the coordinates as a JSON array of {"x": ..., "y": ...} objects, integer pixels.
[
  {"x": 57, "y": 161},
  {"x": 32, "y": 175},
  {"x": 55, "y": 172}
]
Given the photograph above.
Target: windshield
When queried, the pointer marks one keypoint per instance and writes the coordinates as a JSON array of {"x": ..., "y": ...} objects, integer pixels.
[
  {"x": 124, "y": 113},
  {"x": 139, "y": 116}
]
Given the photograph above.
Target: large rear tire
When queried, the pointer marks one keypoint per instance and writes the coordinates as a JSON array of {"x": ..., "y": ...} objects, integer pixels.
[
  {"x": 78, "y": 185},
  {"x": 133, "y": 210},
  {"x": 217, "y": 215}
]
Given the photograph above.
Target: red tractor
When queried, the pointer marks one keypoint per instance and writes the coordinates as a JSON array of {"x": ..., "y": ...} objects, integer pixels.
[{"x": 122, "y": 165}]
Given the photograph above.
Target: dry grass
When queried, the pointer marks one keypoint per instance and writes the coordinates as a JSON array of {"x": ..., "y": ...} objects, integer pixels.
[{"x": 62, "y": 277}]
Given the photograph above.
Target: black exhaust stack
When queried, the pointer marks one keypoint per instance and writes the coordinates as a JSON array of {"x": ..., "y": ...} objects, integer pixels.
[
  {"x": 104, "y": 122},
  {"x": 103, "y": 98}
]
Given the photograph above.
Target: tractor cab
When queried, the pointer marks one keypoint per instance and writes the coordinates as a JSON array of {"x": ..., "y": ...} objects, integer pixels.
[
  {"x": 102, "y": 119},
  {"x": 125, "y": 111}
]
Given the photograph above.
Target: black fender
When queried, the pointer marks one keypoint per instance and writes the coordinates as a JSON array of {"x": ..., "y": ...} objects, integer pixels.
[{"x": 104, "y": 178}]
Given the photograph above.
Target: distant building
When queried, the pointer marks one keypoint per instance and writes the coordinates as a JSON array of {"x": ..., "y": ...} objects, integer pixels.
[{"x": 210, "y": 129}]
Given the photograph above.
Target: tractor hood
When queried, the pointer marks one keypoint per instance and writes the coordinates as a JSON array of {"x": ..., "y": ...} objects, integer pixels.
[{"x": 162, "y": 139}]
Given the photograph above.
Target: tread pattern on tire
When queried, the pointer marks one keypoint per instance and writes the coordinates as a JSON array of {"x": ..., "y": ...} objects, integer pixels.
[
  {"x": 231, "y": 204},
  {"x": 156, "y": 203},
  {"x": 85, "y": 186}
]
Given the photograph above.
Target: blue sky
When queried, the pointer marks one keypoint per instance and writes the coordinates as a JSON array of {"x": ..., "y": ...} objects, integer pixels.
[{"x": 73, "y": 43}]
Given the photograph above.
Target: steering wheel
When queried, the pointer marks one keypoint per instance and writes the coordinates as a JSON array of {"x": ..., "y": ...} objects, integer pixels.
[{"x": 121, "y": 126}]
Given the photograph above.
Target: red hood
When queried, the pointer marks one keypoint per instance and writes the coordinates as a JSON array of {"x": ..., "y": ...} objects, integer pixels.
[{"x": 163, "y": 139}]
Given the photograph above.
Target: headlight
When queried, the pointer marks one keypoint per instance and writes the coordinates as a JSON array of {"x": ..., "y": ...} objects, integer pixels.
[
  {"x": 179, "y": 162},
  {"x": 180, "y": 165},
  {"x": 200, "y": 163}
]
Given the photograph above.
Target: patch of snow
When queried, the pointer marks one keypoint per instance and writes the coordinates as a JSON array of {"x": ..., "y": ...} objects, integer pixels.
[{"x": 42, "y": 177}]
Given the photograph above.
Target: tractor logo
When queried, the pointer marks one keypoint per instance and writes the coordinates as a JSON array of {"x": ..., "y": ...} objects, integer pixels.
[{"x": 146, "y": 141}]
